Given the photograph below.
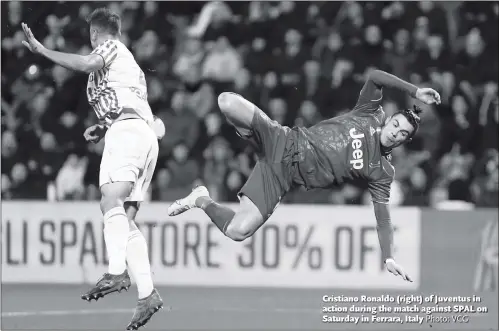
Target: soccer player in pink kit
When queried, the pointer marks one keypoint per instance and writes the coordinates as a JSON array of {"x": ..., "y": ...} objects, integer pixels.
[
  {"x": 354, "y": 146},
  {"x": 117, "y": 92}
]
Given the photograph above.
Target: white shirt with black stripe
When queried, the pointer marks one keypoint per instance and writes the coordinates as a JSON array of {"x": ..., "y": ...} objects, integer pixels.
[{"x": 119, "y": 84}]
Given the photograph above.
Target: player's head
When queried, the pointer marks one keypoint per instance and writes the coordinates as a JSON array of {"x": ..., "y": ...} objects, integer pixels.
[
  {"x": 103, "y": 24},
  {"x": 400, "y": 128}
]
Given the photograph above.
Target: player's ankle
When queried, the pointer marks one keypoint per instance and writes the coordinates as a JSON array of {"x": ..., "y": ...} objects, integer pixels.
[
  {"x": 145, "y": 293},
  {"x": 202, "y": 202}
]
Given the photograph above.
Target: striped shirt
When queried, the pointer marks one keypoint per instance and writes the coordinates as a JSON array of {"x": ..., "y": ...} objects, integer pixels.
[{"x": 119, "y": 84}]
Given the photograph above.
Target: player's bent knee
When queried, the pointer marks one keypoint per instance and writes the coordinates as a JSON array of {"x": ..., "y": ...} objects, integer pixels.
[
  {"x": 238, "y": 110},
  {"x": 228, "y": 101},
  {"x": 114, "y": 195},
  {"x": 239, "y": 231},
  {"x": 244, "y": 224}
]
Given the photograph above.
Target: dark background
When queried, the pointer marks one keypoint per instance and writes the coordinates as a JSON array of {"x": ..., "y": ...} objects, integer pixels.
[{"x": 300, "y": 62}]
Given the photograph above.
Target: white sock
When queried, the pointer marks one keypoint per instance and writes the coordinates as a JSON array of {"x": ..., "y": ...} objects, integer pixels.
[
  {"x": 116, "y": 236},
  {"x": 137, "y": 258}
]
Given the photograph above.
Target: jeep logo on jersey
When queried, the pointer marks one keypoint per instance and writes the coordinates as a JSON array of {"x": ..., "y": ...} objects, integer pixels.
[{"x": 358, "y": 161}]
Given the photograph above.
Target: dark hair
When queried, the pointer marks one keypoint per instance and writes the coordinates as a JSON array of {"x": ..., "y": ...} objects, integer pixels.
[
  {"x": 106, "y": 19},
  {"x": 412, "y": 115}
]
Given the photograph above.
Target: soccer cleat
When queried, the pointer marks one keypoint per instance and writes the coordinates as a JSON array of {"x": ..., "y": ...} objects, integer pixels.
[
  {"x": 189, "y": 202},
  {"x": 145, "y": 309},
  {"x": 108, "y": 284}
]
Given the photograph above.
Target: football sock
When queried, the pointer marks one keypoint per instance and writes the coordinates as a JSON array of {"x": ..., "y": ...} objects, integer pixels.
[
  {"x": 220, "y": 215},
  {"x": 116, "y": 237},
  {"x": 137, "y": 258}
]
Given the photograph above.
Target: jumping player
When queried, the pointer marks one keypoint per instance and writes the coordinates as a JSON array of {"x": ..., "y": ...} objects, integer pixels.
[
  {"x": 354, "y": 146},
  {"x": 117, "y": 92}
]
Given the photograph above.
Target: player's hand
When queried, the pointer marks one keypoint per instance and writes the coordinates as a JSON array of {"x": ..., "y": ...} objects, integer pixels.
[
  {"x": 32, "y": 44},
  {"x": 397, "y": 270},
  {"x": 159, "y": 128},
  {"x": 428, "y": 96},
  {"x": 94, "y": 133}
]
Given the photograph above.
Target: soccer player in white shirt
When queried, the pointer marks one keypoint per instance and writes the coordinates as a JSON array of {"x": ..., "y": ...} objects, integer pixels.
[{"x": 117, "y": 92}]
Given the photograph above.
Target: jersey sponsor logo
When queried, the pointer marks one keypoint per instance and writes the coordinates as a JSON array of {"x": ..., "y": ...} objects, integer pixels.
[
  {"x": 357, "y": 162},
  {"x": 372, "y": 130}
]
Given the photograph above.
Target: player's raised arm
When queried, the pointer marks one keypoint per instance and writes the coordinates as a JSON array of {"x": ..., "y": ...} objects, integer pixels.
[
  {"x": 84, "y": 63},
  {"x": 383, "y": 79}
]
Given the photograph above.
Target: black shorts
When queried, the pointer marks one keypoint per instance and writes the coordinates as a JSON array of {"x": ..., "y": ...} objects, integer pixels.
[{"x": 272, "y": 176}]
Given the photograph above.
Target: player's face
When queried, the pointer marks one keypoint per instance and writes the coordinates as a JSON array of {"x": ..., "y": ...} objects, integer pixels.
[
  {"x": 396, "y": 131},
  {"x": 93, "y": 36}
]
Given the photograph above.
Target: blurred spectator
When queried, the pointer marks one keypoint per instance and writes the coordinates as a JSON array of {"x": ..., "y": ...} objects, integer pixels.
[
  {"x": 191, "y": 55},
  {"x": 161, "y": 185},
  {"x": 298, "y": 62},
  {"x": 213, "y": 124},
  {"x": 373, "y": 45},
  {"x": 69, "y": 180},
  {"x": 314, "y": 86},
  {"x": 332, "y": 47},
  {"x": 400, "y": 57},
  {"x": 308, "y": 114},
  {"x": 183, "y": 167},
  {"x": 216, "y": 167},
  {"x": 19, "y": 185},
  {"x": 397, "y": 195},
  {"x": 222, "y": 62},
  {"x": 288, "y": 63},
  {"x": 9, "y": 150},
  {"x": 244, "y": 85},
  {"x": 485, "y": 186},
  {"x": 278, "y": 110},
  {"x": 457, "y": 197},
  {"x": 180, "y": 123},
  {"x": 199, "y": 94}
]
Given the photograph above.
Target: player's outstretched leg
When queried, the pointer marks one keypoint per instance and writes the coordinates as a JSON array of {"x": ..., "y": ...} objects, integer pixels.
[
  {"x": 237, "y": 226},
  {"x": 137, "y": 258},
  {"x": 116, "y": 231}
]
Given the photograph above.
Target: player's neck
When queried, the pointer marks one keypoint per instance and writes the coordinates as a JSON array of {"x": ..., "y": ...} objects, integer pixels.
[
  {"x": 104, "y": 38},
  {"x": 385, "y": 150}
]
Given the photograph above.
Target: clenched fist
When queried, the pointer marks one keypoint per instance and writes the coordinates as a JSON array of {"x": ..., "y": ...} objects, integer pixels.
[{"x": 428, "y": 96}]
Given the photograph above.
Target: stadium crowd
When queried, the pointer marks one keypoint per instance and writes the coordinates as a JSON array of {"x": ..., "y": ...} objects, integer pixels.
[{"x": 298, "y": 61}]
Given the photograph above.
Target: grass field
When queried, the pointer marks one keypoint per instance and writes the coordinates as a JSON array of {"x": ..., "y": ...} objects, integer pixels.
[{"x": 59, "y": 307}]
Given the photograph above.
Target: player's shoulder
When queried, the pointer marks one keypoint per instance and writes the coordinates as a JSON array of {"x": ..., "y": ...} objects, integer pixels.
[
  {"x": 381, "y": 170},
  {"x": 115, "y": 44},
  {"x": 364, "y": 121},
  {"x": 122, "y": 52},
  {"x": 376, "y": 115},
  {"x": 120, "y": 47}
]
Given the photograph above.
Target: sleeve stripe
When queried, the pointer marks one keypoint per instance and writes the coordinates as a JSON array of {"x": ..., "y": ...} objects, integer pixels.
[
  {"x": 111, "y": 59},
  {"x": 103, "y": 62},
  {"x": 102, "y": 48},
  {"x": 110, "y": 52}
]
